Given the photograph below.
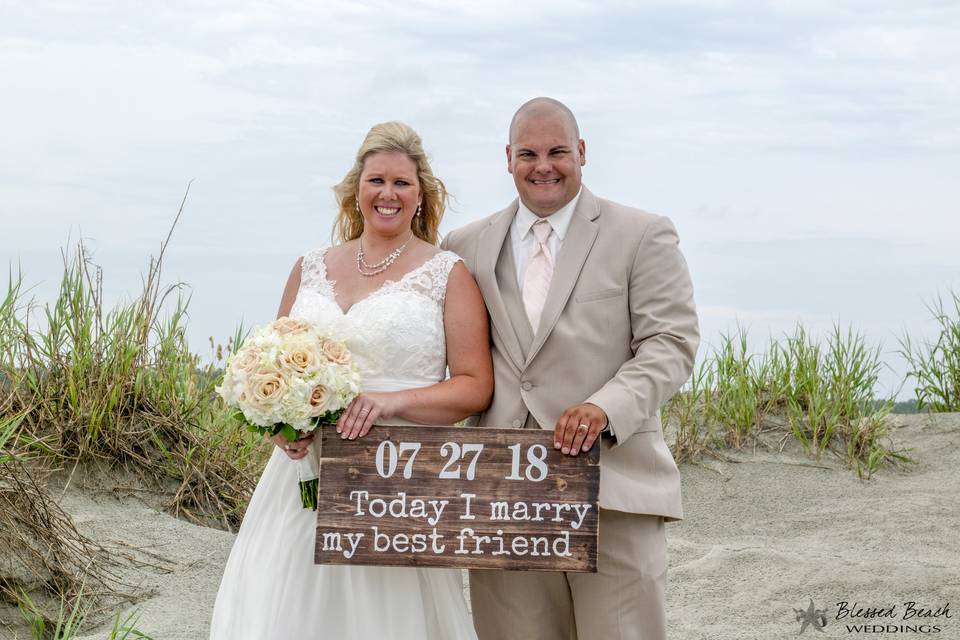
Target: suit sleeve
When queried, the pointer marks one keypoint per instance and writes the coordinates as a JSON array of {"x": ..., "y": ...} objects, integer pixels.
[{"x": 664, "y": 329}]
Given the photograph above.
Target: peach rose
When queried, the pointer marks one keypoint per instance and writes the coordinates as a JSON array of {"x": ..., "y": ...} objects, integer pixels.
[
  {"x": 247, "y": 361},
  {"x": 299, "y": 358},
  {"x": 318, "y": 400},
  {"x": 285, "y": 325},
  {"x": 266, "y": 389},
  {"x": 335, "y": 352}
]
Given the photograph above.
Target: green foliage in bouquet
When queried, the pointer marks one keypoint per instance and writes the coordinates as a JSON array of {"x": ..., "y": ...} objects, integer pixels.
[{"x": 308, "y": 488}]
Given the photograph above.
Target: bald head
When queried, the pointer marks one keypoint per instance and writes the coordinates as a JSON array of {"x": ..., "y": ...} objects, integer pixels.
[
  {"x": 543, "y": 107},
  {"x": 545, "y": 155}
]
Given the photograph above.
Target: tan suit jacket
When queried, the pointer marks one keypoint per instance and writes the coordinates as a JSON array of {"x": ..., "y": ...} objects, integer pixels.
[{"x": 618, "y": 329}]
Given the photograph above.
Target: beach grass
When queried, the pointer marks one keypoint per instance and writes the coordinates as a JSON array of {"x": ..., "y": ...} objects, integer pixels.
[
  {"x": 70, "y": 619},
  {"x": 934, "y": 365},
  {"x": 121, "y": 386},
  {"x": 87, "y": 387},
  {"x": 820, "y": 392}
]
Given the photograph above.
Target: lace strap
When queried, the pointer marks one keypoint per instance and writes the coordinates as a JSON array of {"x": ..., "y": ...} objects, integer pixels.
[
  {"x": 430, "y": 279},
  {"x": 313, "y": 272}
]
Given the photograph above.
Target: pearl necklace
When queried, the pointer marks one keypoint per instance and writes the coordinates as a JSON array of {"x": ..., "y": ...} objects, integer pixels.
[{"x": 369, "y": 270}]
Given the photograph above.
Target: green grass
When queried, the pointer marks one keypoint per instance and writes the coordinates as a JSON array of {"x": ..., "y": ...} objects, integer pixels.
[
  {"x": 70, "y": 619},
  {"x": 65, "y": 625},
  {"x": 122, "y": 387},
  {"x": 822, "y": 392},
  {"x": 935, "y": 365},
  {"x": 83, "y": 384}
]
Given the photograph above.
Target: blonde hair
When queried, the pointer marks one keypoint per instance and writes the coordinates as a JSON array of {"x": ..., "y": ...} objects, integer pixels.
[{"x": 385, "y": 137}]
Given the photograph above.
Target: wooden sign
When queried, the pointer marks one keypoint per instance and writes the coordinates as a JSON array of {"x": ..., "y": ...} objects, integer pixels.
[{"x": 457, "y": 497}]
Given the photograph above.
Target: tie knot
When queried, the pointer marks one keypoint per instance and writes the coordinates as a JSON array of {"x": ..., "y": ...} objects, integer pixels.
[{"x": 541, "y": 230}]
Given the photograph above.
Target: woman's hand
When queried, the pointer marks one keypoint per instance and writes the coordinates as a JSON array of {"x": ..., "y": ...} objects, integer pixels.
[
  {"x": 366, "y": 408},
  {"x": 295, "y": 450}
]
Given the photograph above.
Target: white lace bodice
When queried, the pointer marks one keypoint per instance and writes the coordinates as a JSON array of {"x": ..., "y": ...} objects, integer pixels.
[{"x": 395, "y": 333}]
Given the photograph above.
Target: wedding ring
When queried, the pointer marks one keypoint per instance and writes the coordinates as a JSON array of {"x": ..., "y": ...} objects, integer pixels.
[
  {"x": 288, "y": 447},
  {"x": 364, "y": 410},
  {"x": 585, "y": 427}
]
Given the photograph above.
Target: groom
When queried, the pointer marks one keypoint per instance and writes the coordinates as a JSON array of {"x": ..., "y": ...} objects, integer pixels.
[{"x": 593, "y": 328}]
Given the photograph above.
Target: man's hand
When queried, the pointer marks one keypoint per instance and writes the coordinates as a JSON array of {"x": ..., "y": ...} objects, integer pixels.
[{"x": 578, "y": 428}]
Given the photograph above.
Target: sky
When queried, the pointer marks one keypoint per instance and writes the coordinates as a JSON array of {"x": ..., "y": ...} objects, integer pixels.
[{"x": 804, "y": 150}]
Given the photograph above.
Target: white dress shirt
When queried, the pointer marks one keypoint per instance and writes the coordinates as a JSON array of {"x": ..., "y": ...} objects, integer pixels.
[
  {"x": 524, "y": 244},
  {"x": 521, "y": 234}
]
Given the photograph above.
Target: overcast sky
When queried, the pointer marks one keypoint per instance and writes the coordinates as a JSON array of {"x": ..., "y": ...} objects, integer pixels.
[{"x": 807, "y": 151}]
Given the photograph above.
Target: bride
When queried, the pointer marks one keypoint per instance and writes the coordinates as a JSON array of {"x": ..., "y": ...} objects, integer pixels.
[{"x": 407, "y": 311}]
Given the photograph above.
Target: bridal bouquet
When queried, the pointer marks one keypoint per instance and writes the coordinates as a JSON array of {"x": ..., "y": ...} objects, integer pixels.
[{"x": 290, "y": 378}]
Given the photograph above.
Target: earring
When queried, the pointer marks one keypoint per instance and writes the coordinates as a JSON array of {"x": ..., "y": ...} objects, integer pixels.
[
  {"x": 419, "y": 209},
  {"x": 356, "y": 204}
]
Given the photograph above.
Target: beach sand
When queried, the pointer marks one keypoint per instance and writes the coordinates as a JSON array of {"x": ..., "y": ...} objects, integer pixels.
[
  {"x": 776, "y": 531},
  {"x": 766, "y": 532}
]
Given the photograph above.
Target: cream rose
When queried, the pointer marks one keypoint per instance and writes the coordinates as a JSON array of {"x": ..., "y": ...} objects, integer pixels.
[
  {"x": 319, "y": 398},
  {"x": 265, "y": 389},
  {"x": 285, "y": 325},
  {"x": 299, "y": 358},
  {"x": 246, "y": 361},
  {"x": 335, "y": 352}
]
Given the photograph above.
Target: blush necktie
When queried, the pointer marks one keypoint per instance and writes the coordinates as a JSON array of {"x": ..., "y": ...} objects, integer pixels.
[{"x": 536, "y": 279}]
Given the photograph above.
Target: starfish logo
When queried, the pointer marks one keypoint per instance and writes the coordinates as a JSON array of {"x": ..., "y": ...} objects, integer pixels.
[{"x": 811, "y": 616}]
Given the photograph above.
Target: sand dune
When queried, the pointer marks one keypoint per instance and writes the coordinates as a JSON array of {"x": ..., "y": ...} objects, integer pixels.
[
  {"x": 776, "y": 531},
  {"x": 766, "y": 533}
]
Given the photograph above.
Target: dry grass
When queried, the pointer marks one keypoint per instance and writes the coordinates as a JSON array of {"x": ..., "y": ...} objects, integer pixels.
[{"x": 45, "y": 552}]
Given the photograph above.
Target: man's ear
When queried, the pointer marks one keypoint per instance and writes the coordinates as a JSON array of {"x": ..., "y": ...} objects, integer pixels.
[
  {"x": 509, "y": 161},
  {"x": 582, "y": 148}
]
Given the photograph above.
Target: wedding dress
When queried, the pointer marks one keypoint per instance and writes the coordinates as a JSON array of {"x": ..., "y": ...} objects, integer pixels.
[{"x": 271, "y": 590}]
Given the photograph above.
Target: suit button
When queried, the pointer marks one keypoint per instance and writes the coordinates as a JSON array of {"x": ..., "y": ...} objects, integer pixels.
[
  {"x": 526, "y": 385},
  {"x": 517, "y": 424}
]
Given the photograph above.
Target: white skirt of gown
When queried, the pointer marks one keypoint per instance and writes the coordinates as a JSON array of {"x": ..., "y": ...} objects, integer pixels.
[{"x": 272, "y": 590}]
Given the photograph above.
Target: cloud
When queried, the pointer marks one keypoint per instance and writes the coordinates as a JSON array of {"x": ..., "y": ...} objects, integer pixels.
[{"x": 804, "y": 150}]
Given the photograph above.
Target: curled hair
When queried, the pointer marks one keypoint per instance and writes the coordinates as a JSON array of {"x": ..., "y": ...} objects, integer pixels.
[{"x": 386, "y": 137}]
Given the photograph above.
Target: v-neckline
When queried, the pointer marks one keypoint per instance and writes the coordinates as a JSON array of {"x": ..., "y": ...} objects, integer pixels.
[{"x": 383, "y": 285}]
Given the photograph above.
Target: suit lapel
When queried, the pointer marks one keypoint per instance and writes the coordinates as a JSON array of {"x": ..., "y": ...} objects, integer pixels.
[
  {"x": 489, "y": 247},
  {"x": 512, "y": 300},
  {"x": 576, "y": 247}
]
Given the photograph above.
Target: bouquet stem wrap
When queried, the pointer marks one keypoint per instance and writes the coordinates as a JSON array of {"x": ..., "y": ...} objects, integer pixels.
[
  {"x": 308, "y": 472},
  {"x": 308, "y": 475}
]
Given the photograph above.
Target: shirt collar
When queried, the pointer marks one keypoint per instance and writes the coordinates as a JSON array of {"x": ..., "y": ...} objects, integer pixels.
[{"x": 559, "y": 220}]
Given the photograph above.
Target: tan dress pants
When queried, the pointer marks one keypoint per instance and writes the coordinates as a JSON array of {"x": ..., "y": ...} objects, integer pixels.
[{"x": 624, "y": 600}]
